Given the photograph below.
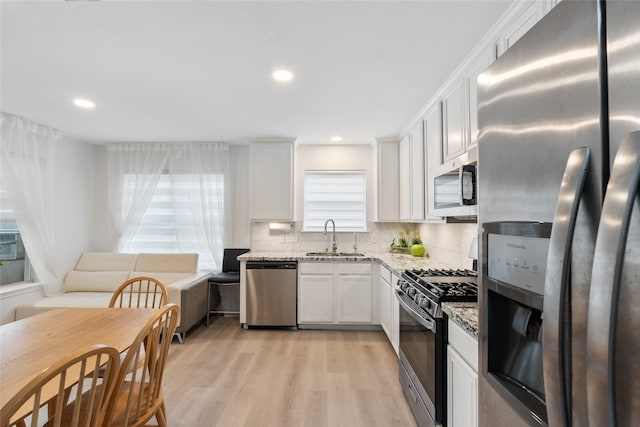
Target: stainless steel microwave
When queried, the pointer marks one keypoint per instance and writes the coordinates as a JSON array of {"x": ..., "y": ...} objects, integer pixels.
[{"x": 454, "y": 185}]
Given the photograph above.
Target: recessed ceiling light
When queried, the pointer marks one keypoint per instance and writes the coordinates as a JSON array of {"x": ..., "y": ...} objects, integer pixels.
[
  {"x": 84, "y": 103},
  {"x": 336, "y": 138},
  {"x": 282, "y": 75}
]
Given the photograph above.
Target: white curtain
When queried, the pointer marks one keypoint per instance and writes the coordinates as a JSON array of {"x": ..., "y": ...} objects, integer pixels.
[
  {"x": 186, "y": 181},
  {"x": 28, "y": 153},
  {"x": 142, "y": 166}
]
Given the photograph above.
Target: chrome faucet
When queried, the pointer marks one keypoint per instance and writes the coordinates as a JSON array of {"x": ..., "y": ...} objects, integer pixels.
[{"x": 334, "y": 245}]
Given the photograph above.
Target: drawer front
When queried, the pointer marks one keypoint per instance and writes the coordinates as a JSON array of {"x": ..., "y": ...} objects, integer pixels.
[
  {"x": 315, "y": 268},
  {"x": 464, "y": 343},
  {"x": 362, "y": 268},
  {"x": 385, "y": 274}
]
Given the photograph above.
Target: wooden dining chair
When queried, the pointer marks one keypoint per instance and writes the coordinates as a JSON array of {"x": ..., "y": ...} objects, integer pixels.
[
  {"x": 138, "y": 394},
  {"x": 68, "y": 393},
  {"x": 140, "y": 292}
]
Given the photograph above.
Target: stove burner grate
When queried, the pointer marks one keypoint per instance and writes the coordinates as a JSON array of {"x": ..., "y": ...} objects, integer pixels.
[{"x": 445, "y": 285}]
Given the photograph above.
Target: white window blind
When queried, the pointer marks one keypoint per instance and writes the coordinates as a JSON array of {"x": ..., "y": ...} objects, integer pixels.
[
  {"x": 340, "y": 196},
  {"x": 172, "y": 220}
]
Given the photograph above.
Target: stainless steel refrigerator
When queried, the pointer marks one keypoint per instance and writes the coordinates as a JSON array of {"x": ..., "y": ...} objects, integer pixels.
[{"x": 559, "y": 213}]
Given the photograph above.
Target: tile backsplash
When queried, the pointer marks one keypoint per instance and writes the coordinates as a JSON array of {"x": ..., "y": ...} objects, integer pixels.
[{"x": 448, "y": 243}]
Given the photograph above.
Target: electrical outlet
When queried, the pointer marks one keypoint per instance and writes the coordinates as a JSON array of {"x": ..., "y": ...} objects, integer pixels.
[
  {"x": 281, "y": 238},
  {"x": 291, "y": 238},
  {"x": 374, "y": 238}
]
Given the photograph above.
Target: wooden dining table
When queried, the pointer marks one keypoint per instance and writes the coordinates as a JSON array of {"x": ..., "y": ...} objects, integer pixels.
[{"x": 30, "y": 345}]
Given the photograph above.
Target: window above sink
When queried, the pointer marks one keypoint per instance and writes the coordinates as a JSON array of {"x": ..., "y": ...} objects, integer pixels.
[{"x": 337, "y": 195}]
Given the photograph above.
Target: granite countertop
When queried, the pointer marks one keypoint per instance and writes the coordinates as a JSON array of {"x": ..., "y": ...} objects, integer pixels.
[
  {"x": 397, "y": 263},
  {"x": 464, "y": 314},
  {"x": 301, "y": 256}
]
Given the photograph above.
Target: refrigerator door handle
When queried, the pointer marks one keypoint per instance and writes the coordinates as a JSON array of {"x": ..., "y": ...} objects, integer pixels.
[
  {"x": 608, "y": 260},
  {"x": 557, "y": 367}
]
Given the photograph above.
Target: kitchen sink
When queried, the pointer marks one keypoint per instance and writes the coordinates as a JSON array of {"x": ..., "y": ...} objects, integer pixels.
[{"x": 332, "y": 254}]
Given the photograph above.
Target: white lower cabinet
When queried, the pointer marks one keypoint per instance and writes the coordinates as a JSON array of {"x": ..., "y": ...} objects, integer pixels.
[
  {"x": 315, "y": 299},
  {"x": 354, "y": 299},
  {"x": 395, "y": 315},
  {"x": 386, "y": 294},
  {"x": 389, "y": 307},
  {"x": 335, "y": 293},
  {"x": 462, "y": 378}
]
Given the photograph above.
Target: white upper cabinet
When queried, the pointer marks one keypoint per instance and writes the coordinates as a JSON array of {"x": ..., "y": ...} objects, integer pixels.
[
  {"x": 412, "y": 174},
  {"x": 388, "y": 197},
  {"x": 530, "y": 13},
  {"x": 417, "y": 171},
  {"x": 453, "y": 121},
  {"x": 433, "y": 136},
  {"x": 433, "y": 154},
  {"x": 404, "y": 172},
  {"x": 451, "y": 116},
  {"x": 271, "y": 175},
  {"x": 479, "y": 63}
]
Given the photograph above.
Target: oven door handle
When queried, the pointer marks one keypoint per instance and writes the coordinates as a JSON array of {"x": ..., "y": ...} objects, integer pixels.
[{"x": 427, "y": 323}]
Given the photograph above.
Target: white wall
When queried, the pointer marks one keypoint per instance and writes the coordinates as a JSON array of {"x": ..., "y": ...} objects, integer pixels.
[
  {"x": 74, "y": 204},
  {"x": 104, "y": 236},
  {"x": 73, "y": 220}
]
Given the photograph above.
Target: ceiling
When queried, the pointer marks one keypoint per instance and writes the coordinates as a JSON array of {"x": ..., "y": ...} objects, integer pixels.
[{"x": 201, "y": 71}]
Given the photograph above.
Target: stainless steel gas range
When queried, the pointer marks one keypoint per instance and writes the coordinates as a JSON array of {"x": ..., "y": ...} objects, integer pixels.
[{"x": 423, "y": 337}]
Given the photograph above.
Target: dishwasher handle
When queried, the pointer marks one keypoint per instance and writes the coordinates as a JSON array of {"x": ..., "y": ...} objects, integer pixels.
[{"x": 272, "y": 265}]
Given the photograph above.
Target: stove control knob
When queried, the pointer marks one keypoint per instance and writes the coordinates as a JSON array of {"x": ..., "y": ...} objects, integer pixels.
[
  {"x": 403, "y": 285},
  {"x": 428, "y": 304}
]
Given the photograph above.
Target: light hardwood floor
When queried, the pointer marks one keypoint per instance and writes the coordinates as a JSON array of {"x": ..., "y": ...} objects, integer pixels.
[{"x": 226, "y": 376}]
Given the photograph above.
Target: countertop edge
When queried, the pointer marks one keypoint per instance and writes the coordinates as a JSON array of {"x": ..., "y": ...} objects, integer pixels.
[{"x": 464, "y": 314}]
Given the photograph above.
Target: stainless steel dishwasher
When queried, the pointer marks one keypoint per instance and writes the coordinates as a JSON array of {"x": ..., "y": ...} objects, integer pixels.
[{"x": 272, "y": 294}]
